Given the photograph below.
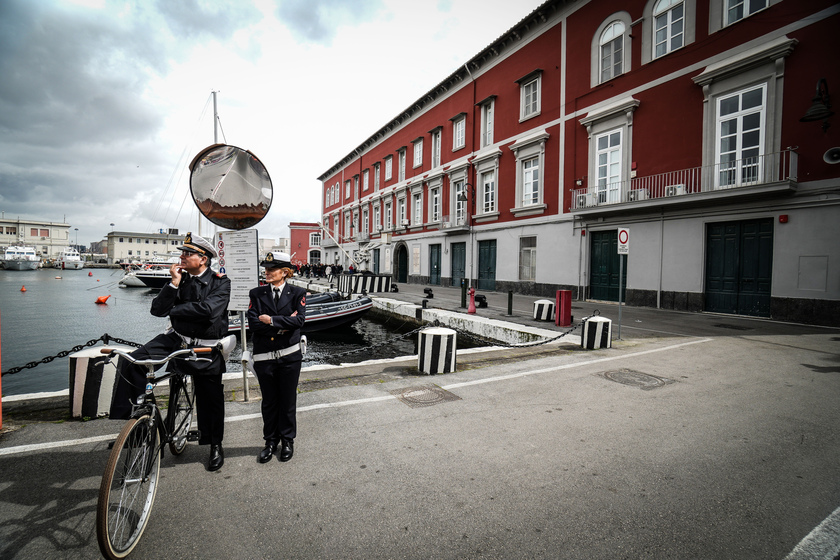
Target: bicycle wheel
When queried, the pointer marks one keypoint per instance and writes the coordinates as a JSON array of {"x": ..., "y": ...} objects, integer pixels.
[
  {"x": 179, "y": 415},
  {"x": 128, "y": 488}
]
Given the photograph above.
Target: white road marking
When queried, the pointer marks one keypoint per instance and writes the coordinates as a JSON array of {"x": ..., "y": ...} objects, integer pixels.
[
  {"x": 823, "y": 543},
  {"x": 97, "y": 439}
]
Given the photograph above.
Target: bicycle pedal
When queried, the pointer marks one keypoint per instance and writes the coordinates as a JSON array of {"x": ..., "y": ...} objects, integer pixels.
[{"x": 193, "y": 435}]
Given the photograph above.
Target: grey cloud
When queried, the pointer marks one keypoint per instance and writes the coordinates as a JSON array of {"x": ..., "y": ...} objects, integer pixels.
[
  {"x": 316, "y": 21},
  {"x": 218, "y": 19}
]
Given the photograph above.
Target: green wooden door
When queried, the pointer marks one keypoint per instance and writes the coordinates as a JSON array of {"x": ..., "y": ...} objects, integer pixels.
[
  {"x": 459, "y": 263},
  {"x": 487, "y": 265},
  {"x": 434, "y": 264},
  {"x": 739, "y": 261},
  {"x": 376, "y": 261},
  {"x": 402, "y": 264},
  {"x": 604, "y": 270}
]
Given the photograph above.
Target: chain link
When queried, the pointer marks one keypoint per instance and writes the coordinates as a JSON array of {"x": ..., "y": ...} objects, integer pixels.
[
  {"x": 107, "y": 339},
  {"x": 467, "y": 334}
]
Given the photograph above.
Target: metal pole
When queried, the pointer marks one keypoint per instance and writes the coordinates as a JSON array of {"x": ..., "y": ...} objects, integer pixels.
[
  {"x": 243, "y": 338},
  {"x": 620, "y": 286},
  {"x": 510, "y": 302}
]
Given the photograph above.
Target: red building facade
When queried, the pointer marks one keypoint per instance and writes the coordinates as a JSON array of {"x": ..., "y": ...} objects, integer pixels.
[
  {"x": 679, "y": 120},
  {"x": 305, "y": 243}
]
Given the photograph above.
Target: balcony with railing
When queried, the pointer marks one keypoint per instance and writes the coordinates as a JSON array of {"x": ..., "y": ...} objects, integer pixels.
[
  {"x": 455, "y": 224},
  {"x": 758, "y": 175}
]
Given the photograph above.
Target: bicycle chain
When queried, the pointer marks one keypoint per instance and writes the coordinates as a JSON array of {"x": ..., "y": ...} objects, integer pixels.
[{"x": 106, "y": 338}]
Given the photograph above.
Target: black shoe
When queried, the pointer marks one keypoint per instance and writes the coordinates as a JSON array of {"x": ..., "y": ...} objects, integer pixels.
[
  {"x": 287, "y": 449},
  {"x": 217, "y": 458},
  {"x": 268, "y": 452}
]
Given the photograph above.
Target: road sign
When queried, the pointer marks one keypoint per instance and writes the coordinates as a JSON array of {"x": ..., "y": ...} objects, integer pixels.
[
  {"x": 623, "y": 241},
  {"x": 239, "y": 260}
]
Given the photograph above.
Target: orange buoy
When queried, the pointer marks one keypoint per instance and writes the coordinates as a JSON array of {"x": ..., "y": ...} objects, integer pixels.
[
  {"x": 90, "y": 273},
  {"x": 23, "y": 288},
  {"x": 58, "y": 277},
  {"x": 103, "y": 299}
]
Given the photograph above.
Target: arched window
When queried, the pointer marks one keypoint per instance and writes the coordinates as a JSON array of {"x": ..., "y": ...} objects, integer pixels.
[
  {"x": 612, "y": 50},
  {"x": 668, "y": 26}
]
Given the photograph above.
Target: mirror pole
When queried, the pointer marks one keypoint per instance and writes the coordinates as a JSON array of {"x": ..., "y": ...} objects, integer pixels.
[{"x": 244, "y": 341}]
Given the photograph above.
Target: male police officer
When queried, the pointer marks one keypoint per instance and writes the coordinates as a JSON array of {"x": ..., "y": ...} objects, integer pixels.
[
  {"x": 275, "y": 316},
  {"x": 196, "y": 301}
]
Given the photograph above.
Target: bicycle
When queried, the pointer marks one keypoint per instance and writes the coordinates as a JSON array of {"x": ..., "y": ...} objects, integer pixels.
[{"x": 129, "y": 484}]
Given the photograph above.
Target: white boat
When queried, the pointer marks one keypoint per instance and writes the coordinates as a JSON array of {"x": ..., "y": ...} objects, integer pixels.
[
  {"x": 18, "y": 257},
  {"x": 154, "y": 274},
  {"x": 69, "y": 259}
]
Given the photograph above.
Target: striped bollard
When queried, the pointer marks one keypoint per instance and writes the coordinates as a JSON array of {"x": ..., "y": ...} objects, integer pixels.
[
  {"x": 92, "y": 382},
  {"x": 437, "y": 351},
  {"x": 596, "y": 333},
  {"x": 544, "y": 310}
]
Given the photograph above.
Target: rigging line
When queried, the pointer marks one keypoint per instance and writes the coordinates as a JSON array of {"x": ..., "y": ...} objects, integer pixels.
[
  {"x": 179, "y": 165},
  {"x": 219, "y": 119}
]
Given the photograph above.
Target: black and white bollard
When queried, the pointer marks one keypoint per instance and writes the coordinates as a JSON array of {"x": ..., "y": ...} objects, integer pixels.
[
  {"x": 437, "y": 350},
  {"x": 92, "y": 382},
  {"x": 544, "y": 310},
  {"x": 596, "y": 333}
]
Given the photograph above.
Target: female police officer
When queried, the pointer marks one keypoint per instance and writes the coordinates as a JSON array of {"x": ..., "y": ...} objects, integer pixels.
[{"x": 275, "y": 316}]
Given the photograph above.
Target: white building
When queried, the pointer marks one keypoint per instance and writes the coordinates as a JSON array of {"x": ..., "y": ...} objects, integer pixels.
[
  {"x": 48, "y": 238},
  {"x": 127, "y": 246}
]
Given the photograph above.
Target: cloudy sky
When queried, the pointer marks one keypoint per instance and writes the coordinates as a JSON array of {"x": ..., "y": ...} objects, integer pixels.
[{"x": 103, "y": 103}]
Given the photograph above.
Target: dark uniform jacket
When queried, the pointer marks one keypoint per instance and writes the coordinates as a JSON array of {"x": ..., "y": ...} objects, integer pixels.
[
  {"x": 284, "y": 330},
  {"x": 197, "y": 308}
]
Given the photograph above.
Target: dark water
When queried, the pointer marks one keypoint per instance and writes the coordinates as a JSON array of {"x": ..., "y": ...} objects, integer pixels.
[{"x": 55, "y": 315}]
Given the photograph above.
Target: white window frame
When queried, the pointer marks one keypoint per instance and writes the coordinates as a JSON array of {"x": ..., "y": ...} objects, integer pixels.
[
  {"x": 530, "y": 149},
  {"x": 389, "y": 168},
  {"x": 418, "y": 153},
  {"x": 436, "y": 148},
  {"x": 401, "y": 166},
  {"x": 377, "y": 222},
  {"x": 487, "y": 189},
  {"x": 347, "y": 189},
  {"x": 609, "y": 175},
  {"x": 531, "y": 184},
  {"x": 616, "y": 116},
  {"x": 530, "y": 98},
  {"x": 401, "y": 216},
  {"x": 748, "y": 8},
  {"x": 596, "y": 56},
  {"x": 459, "y": 132},
  {"x": 720, "y": 15},
  {"x": 648, "y": 32},
  {"x": 669, "y": 19},
  {"x": 417, "y": 208},
  {"x": 528, "y": 252},
  {"x": 315, "y": 239},
  {"x": 434, "y": 205},
  {"x": 488, "y": 109},
  {"x": 745, "y": 168},
  {"x": 365, "y": 179},
  {"x": 365, "y": 221},
  {"x": 460, "y": 205},
  {"x": 389, "y": 218},
  {"x": 376, "y": 177}
]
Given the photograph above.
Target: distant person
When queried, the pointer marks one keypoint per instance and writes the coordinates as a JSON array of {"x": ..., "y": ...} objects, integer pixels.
[
  {"x": 196, "y": 301},
  {"x": 328, "y": 272},
  {"x": 275, "y": 316}
]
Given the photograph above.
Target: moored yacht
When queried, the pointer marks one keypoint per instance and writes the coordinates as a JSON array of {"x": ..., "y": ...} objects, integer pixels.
[
  {"x": 69, "y": 259},
  {"x": 18, "y": 257}
]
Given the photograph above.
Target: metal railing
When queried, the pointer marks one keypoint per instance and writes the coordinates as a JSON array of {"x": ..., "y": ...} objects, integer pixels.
[{"x": 747, "y": 172}]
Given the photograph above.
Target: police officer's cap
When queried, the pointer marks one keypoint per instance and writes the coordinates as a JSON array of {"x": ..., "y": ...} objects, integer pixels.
[
  {"x": 197, "y": 244},
  {"x": 276, "y": 259}
]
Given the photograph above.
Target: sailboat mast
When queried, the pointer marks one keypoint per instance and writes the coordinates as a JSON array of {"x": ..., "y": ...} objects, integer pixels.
[{"x": 215, "y": 120}]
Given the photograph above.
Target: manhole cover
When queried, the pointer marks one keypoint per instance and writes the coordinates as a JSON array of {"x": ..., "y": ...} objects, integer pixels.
[
  {"x": 636, "y": 379},
  {"x": 426, "y": 395},
  {"x": 733, "y": 327}
]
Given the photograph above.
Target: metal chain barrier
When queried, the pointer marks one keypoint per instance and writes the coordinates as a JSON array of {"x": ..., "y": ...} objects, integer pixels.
[
  {"x": 469, "y": 335},
  {"x": 107, "y": 339}
]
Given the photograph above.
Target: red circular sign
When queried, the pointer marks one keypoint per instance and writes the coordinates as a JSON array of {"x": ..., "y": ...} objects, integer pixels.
[{"x": 622, "y": 236}]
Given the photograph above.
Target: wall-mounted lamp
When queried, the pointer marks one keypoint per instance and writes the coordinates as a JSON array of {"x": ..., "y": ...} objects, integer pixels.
[
  {"x": 579, "y": 182},
  {"x": 820, "y": 109}
]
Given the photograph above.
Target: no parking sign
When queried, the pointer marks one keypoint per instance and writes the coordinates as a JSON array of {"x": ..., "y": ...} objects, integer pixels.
[{"x": 623, "y": 241}]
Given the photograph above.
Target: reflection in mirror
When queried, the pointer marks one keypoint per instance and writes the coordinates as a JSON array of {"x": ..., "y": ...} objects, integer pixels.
[{"x": 230, "y": 186}]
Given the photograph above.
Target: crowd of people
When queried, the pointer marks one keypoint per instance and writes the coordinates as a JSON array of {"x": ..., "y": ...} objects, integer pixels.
[{"x": 320, "y": 270}]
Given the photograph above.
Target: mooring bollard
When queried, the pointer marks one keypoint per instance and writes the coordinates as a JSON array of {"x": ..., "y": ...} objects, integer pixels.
[
  {"x": 437, "y": 350},
  {"x": 92, "y": 378},
  {"x": 544, "y": 310},
  {"x": 596, "y": 333}
]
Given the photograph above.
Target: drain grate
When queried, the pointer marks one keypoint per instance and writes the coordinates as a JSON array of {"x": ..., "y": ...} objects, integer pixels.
[
  {"x": 638, "y": 379},
  {"x": 424, "y": 395},
  {"x": 733, "y": 327}
]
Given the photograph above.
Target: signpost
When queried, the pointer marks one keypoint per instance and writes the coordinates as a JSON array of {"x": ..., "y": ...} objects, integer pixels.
[
  {"x": 623, "y": 249},
  {"x": 239, "y": 260}
]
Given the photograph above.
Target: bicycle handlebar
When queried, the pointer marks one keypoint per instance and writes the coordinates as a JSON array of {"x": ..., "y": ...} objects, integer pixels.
[{"x": 161, "y": 361}]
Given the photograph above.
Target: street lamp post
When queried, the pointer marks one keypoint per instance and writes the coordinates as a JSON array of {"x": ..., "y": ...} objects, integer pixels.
[{"x": 462, "y": 197}]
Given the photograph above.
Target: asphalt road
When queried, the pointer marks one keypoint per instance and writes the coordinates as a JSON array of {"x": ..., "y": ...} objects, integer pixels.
[{"x": 686, "y": 440}]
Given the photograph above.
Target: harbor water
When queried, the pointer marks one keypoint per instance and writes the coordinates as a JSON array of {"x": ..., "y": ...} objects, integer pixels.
[{"x": 58, "y": 311}]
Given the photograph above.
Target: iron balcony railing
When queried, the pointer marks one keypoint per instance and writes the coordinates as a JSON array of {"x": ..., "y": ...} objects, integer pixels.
[{"x": 747, "y": 172}]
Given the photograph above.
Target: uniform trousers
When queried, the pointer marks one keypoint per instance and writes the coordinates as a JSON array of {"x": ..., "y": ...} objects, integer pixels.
[
  {"x": 278, "y": 385},
  {"x": 209, "y": 390}
]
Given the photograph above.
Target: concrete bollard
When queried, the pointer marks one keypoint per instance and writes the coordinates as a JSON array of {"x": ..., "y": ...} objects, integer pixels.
[
  {"x": 437, "y": 350},
  {"x": 596, "y": 333},
  {"x": 544, "y": 310},
  {"x": 92, "y": 382}
]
